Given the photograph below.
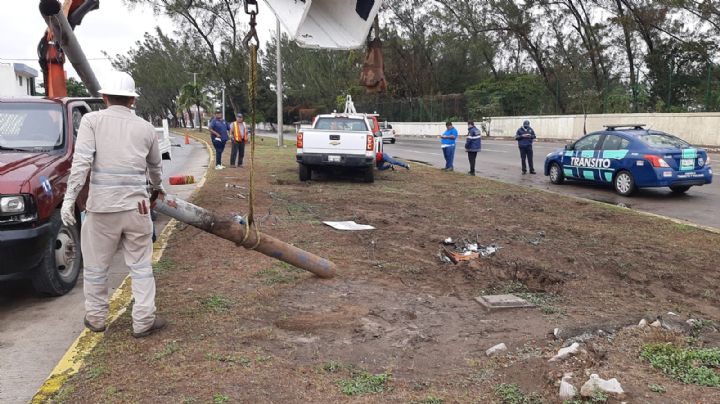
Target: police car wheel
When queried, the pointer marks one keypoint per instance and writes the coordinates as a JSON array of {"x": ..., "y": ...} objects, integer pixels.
[
  {"x": 624, "y": 183},
  {"x": 556, "y": 174},
  {"x": 680, "y": 189}
]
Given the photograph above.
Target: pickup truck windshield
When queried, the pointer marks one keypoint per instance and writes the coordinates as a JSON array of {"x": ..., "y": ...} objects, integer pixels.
[
  {"x": 664, "y": 141},
  {"x": 30, "y": 127},
  {"x": 342, "y": 124}
]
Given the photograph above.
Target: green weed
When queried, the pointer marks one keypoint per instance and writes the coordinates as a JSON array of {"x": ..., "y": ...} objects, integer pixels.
[
  {"x": 63, "y": 395},
  {"x": 217, "y": 303},
  {"x": 280, "y": 273},
  {"x": 167, "y": 350},
  {"x": 364, "y": 383},
  {"x": 656, "y": 388},
  {"x": 95, "y": 372},
  {"x": 333, "y": 367},
  {"x": 511, "y": 394},
  {"x": 166, "y": 265},
  {"x": 688, "y": 365},
  {"x": 431, "y": 399},
  {"x": 241, "y": 360},
  {"x": 220, "y": 399}
]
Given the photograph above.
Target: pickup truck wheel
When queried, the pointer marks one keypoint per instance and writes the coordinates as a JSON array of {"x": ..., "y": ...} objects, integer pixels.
[
  {"x": 369, "y": 175},
  {"x": 305, "y": 173},
  {"x": 58, "y": 271},
  {"x": 392, "y": 141}
]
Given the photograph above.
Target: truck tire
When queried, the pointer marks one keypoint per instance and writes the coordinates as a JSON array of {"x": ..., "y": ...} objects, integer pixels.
[
  {"x": 59, "y": 269},
  {"x": 369, "y": 175},
  {"x": 304, "y": 172}
]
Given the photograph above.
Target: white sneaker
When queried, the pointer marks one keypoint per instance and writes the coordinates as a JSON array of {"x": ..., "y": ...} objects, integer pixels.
[{"x": 219, "y": 167}]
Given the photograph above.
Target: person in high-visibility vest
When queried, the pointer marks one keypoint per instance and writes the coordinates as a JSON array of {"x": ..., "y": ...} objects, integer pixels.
[{"x": 240, "y": 134}]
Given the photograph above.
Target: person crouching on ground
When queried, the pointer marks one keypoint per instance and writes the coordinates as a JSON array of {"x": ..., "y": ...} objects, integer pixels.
[
  {"x": 447, "y": 142},
  {"x": 473, "y": 145},
  {"x": 219, "y": 134},
  {"x": 525, "y": 137},
  {"x": 386, "y": 162}
]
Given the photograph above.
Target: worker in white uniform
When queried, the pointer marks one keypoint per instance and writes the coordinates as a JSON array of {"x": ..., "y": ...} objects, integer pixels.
[{"x": 120, "y": 151}]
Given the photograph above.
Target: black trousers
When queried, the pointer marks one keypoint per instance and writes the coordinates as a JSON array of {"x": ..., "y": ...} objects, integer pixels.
[
  {"x": 526, "y": 153},
  {"x": 472, "y": 156},
  {"x": 237, "y": 153}
]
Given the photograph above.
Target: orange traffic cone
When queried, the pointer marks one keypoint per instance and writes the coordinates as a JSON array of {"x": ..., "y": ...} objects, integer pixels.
[
  {"x": 187, "y": 138},
  {"x": 182, "y": 180}
]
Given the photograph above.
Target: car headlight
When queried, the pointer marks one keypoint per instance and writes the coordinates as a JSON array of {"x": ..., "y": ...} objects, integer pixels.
[{"x": 12, "y": 204}]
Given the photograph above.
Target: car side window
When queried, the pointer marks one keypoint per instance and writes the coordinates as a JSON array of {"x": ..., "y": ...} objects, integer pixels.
[
  {"x": 614, "y": 142},
  {"x": 77, "y": 114},
  {"x": 588, "y": 143}
]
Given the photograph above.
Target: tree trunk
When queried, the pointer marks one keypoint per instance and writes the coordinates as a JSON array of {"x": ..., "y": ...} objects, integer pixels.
[
  {"x": 629, "y": 52},
  {"x": 199, "y": 117}
]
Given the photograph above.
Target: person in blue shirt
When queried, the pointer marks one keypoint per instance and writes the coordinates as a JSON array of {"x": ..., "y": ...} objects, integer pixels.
[
  {"x": 473, "y": 145},
  {"x": 219, "y": 135},
  {"x": 447, "y": 142},
  {"x": 386, "y": 162},
  {"x": 525, "y": 137}
]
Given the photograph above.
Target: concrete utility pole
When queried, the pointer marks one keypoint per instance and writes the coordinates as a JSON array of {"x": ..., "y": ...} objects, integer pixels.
[{"x": 279, "y": 89}]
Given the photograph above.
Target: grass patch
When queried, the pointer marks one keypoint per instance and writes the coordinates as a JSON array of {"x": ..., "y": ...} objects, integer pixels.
[
  {"x": 220, "y": 399},
  {"x": 656, "y": 388},
  {"x": 511, "y": 394},
  {"x": 63, "y": 395},
  {"x": 166, "y": 265},
  {"x": 431, "y": 399},
  {"x": 95, "y": 372},
  {"x": 217, "y": 303},
  {"x": 333, "y": 367},
  {"x": 688, "y": 365},
  {"x": 542, "y": 300},
  {"x": 280, "y": 273},
  {"x": 169, "y": 349},
  {"x": 364, "y": 383},
  {"x": 241, "y": 360}
]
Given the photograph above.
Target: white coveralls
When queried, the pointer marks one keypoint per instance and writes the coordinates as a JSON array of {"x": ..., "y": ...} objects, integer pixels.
[{"x": 117, "y": 148}]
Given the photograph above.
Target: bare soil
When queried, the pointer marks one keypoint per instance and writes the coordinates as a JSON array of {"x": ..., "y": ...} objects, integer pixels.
[{"x": 246, "y": 328}]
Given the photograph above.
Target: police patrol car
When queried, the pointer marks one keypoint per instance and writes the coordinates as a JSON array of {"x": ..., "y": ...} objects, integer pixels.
[{"x": 631, "y": 157}]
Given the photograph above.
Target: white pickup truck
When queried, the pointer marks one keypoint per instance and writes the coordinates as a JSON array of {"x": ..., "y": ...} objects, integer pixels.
[{"x": 349, "y": 140}]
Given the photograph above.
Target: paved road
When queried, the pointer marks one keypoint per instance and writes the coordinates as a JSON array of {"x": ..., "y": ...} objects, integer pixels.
[
  {"x": 35, "y": 332},
  {"x": 500, "y": 160}
]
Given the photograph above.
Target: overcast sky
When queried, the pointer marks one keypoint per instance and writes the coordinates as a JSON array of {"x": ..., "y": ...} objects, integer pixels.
[{"x": 113, "y": 28}]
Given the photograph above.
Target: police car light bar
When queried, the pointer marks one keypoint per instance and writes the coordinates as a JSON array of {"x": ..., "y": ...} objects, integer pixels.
[{"x": 625, "y": 126}]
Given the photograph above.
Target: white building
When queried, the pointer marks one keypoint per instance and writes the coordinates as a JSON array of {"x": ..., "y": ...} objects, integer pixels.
[{"x": 17, "y": 80}]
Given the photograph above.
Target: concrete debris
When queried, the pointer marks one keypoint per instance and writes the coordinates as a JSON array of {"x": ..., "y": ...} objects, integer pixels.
[
  {"x": 564, "y": 353},
  {"x": 567, "y": 390},
  {"x": 691, "y": 322},
  {"x": 670, "y": 313},
  {"x": 227, "y": 186},
  {"x": 448, "y": 241},
  {"x": 497, "y": 349},
  {"x": 643, "y": 323},
  {"x": 595, "y": 383},
  {"x": 503, "y": 302},
  {"x": 656, "y": 324},
  {"x": 486, "y": 251},
  {"x": 556, "y": 333}
]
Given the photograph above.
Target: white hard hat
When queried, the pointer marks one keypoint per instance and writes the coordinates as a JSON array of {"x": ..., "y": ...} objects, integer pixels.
[{"x": 119, "y": 83}]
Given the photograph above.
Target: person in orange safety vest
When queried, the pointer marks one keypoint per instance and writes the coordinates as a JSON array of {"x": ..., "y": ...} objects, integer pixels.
[{"x": 239, "y": 135}]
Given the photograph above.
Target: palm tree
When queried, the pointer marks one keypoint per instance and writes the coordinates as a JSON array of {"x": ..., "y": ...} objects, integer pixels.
[{"x": 192, "y": 94}]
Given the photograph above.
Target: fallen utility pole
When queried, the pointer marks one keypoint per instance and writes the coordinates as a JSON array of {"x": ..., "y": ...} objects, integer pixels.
[
  {"x": 234, "y": 229},
  {"x": 64, "y": 35}
]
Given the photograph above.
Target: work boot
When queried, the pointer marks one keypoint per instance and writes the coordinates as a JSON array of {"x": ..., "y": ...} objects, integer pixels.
[
  {"x": 533, "y": 172},
  {"x": 407, "y": 166},
  {"x": 159, "y": 324},
  {"x": 472, "y": 173},
  {"x": 92, "y": 327}
]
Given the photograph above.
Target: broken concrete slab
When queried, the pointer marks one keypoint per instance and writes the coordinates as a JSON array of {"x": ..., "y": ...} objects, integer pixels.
[
  {"x": 567, "y": 390},
  {"x": 564, "y": 353},
  {"x": 595, "y": 383},
  {"x": 495, "y": 302},
  {"x": 497, "y": 349}
]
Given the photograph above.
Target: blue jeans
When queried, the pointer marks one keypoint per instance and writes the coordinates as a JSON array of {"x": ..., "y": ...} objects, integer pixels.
[
  {"x": 449, "y": 154},
  {"x": 386, "y": 158},
  {"x": 219, "y": 147}
]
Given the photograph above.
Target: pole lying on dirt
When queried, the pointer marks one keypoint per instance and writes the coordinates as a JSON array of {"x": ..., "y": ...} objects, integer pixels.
[
  {"x": 63, "y": 33},
  {"x": 234, "y": 229}
]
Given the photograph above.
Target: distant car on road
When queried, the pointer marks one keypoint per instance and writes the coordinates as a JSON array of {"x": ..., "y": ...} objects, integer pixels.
[
  {"x": 388, "y": 133},
  {"x": 631, "y": 157}
]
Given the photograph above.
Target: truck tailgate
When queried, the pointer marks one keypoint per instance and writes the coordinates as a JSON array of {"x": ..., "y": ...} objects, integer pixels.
[{"x": 329, "y": 141}]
